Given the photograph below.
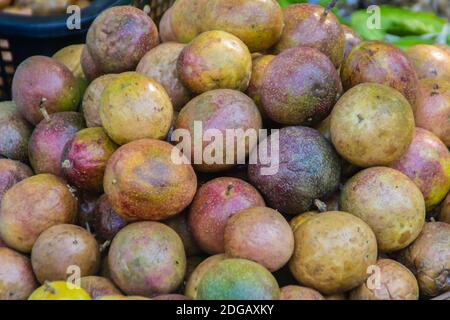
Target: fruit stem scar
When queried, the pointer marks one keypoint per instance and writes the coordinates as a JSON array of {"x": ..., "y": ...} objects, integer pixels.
[
  {"x": 320, "y": 205},
  {"x": 66, "y": 164}
]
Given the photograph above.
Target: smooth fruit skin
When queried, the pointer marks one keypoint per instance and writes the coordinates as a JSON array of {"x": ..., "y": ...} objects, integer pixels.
[
  {"x": 196, "y": 276},
  {"x": 258, "y": 70},
  {"x": 258, "y": 24},
  {"x": 238, "y": 279},
  {"x": 222, "y": 110},
  {"x": 389, "y": 202},
  {"x": 396, "y": 283},
  {"x": 11, "y": 173},
  {"x": 351, "y": 39},
  {"x": 17, "y": 280},
  {"x": 293, "y": 292},
  {"x": 299, "y": 85},
  {"x": 432, "y": 111},
  {"x": 90, "y": 68},
  {"x": 62, "y": 246},
  {"x": 302, "y": 218},
  {"x": 91, "y": 100},
  {"x": 85, "y": 157},
  {"x": 147, "y": 259},
  {"x": 15, "y": 132},
  {"x": 308, "y": 169},
  {"x": 215, "y": 60},
  {"x": 444, "y": 215},
  {"x": 186, "y": 16},
  {"x": 42, "y": 82},
  {"x": 160, "y": 64},
  {"x": 427, "y": 163},
  {"x": 252, "y": 229},
  {"x": 143, "y": 183},
  {"x": 134, "y": 107},
  {"x": 32, "y": 206},
  {"x": 372, "y": 125},
  {"x": 179, "y": 223},
  {"x": 98, "y": 287},
  {"x": 59, "y": 290},
  {"x": 107, "y": 223},
  {"x": 430, "y": 62},
  {"x": 48, "y": 140},
  {"x": 429, "y": 258},
  {"x": 332, "y": 252},
  {"x": 165, "y": 28},
  {"x": 119, "y": 37},
  {"x": 213, "y": 205},
  {"x": 305, "y": 25},
  {"x": 380, "y": 62}
]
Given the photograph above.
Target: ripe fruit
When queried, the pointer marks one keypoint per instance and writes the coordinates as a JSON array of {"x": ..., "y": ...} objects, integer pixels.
[
  {"x": 307, "y": 25},
  {"x": 119, "y": 37},
  {"x": 396, "y": 283},
  {"x": 134, "y": 107},
  {"x": 332, "y": 252},
  {"x": 299, "y": 85},
  {"x": 98, "y": 287},
  {"x": 147, "y": 258},
  {"x": 308, "y": 168},
  {"x": 215, "y": 60},
  {"x": 32, "y": 206},
  {"x": 238, "y": 279},
  {"x": 250, "y": 230},
  {"x": 300, "y": 293},
  {"x": 389, "y": 202},
  {"x": 59, "y": 290},
  {"x": 107, "y": 223},
  {"x": 372, "y": 125},
  {"x": 427, "y": 164},
  {"x": 143, "y": 183},
  {"x": 430, "y": 62},
  {"x": 444, "y": 215},
  {"x": 85, "y": 157},
  {"x": 258, "y": 71},
  {"x": 214, "y": 204},
  {"x": 17, "y": 280},
  {"x": 11, "y": 173},
  {"x": 48, "y": 140},
  {"x": 180, "y": 224},
  {"x": 351, "y": 39},
  {"x": 380, "y": 62},
  {"x": 61, "y": 247},
  {"x": 44, "y": 83}
]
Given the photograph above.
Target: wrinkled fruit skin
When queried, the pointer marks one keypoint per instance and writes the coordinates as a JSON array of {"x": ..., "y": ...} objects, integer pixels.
[
  {"x": 214, "y": 204},
  {"x": 98, "y": 287},
  {"x": 180, "y": 224},
  {"x": 196, "y": 276},
  {"x": 258, "y": 70},
  {"x": 351, "y": 39},
  {"x": 15, "y": 132},
  {"x": 90, "y": 68},
  {"x": 252, "y": 229},
  {"x": 44, "y": 82},
  {"x": 444, "y": 215},
  {"x": 389, "y": 202},
  {"x": 134, "y": 107},
  {"x": 17, "y": 280},
  {"x": 119, "y": 37},
  {"x": 379, "y": 62},
  {"x": 430, "y": 62},
  {"x": 62, "y": 246},
  {"x": 258, "y": 24},
  {"x": 91, "y": 100},
  {"x": 397, "y": 283},
  {"x": 32, "y": 206},
  {"x": 427, "y": 163},
  {"x": 107, "y": 222},
  {"x": 432, "y": 110},
  {"x": 222, "y": 110},
  {"x": 11, "y": 173},
  {"x": 332, "y": 252},
  {"x": 160, "y": 64},
  {"x": 429, "y": 258},
  {"x": 306, "y": 26},
  {"x": 238, "y": 279},
  {"x": 143, "y": 183},
  {"x": 48, "y": 140},
  {"x": 308, "y": 169},
  {"x": 300, "y": 293},
  {"x": 299, "y": 85},
  {"x": 84, "y": 159},
  {"x": 372, "y": 125},
  {"x": 147, "y": 259},
  {"x": 215, "y": 60}
]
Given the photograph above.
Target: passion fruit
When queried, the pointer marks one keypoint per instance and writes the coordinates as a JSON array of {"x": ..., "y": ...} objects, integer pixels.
[
  {"x": 300, "y": 293},
  {"x": 430, "y": 62},
  {"x": 11, "y": 173},
  {"x": 98, "y": 287},
  {"x": 59, "y": 290},
  {"x": 107, "y": 223}
]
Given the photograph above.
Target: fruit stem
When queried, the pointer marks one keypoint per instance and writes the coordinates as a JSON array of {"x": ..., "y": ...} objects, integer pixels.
[
  {"x": 43, "y": 110},
  {"x": 66, "y": 164},
  {"x": 322, "y": 206},
  {"x": 329, "y": 7},
  {"x": 105, "y": 245},
  {"x": 48, "y": 287}
]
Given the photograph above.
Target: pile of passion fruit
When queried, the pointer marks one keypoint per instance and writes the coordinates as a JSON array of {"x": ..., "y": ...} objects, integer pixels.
[{"x": 93, "y": 205}]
